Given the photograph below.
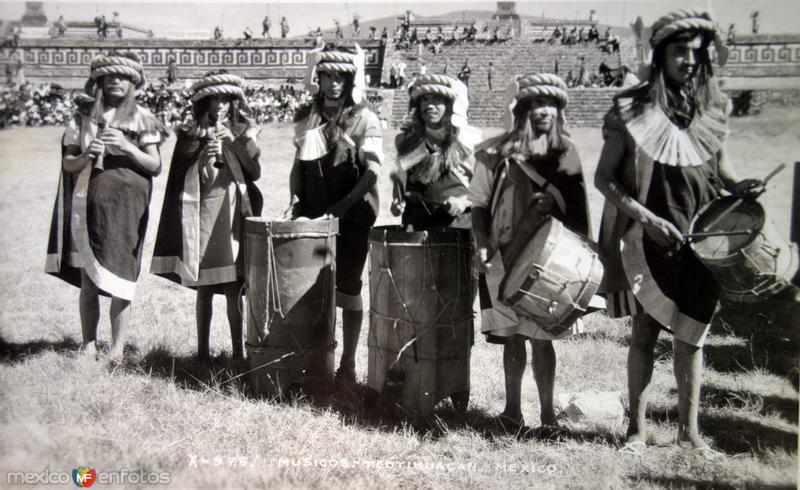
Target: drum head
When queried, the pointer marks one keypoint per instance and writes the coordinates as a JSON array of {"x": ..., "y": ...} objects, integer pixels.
[
  {"x": 531, "y": 254},
  {"x": 727, "y": 214}
]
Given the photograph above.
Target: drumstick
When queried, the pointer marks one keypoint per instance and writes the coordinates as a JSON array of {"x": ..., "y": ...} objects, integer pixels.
[
  {"x": 738, "y": 201},
  {"x": 721, "y": 215},
  {"x": 772, "y": 174},
  {"x": 690, "y": 236}
]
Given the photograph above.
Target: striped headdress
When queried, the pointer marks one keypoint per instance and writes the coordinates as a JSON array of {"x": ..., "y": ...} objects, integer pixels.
[
  {"x": 534, "y": 85},
  {"x": 118, "y": 63},
  {"x": 218, "y": 84},
  {"x": 332, "y": 61},
  {"x": 448, "y": 87}
]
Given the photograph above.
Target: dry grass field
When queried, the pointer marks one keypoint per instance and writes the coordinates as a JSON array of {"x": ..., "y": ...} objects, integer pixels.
[{"x": 162, "y": 412}]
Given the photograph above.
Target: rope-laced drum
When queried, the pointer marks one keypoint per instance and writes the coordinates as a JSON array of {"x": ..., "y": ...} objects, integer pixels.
[
  {"x": 554, "y": 277},
  {"x": 422, "y": 289},
  {"x": 290, "y": 276},
  {"x": 746, "y": 255}
]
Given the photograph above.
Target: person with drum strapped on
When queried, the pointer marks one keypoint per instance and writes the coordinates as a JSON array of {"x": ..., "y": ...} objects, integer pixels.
[
  {"x": 210, "y": 191},
  {"x": 662, "y": 161},
  {"x": 521, "y": 177},
  {"x": 435, "y": 156},
  {"x": 109, "y": 159},
  {"x": 339, "y": 150}
]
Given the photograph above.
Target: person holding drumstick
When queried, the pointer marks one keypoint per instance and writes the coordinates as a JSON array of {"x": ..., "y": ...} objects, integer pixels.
[
  {"x": 662, "y": 161},
  {"x": 521, "y": 177},
  {"x": 339, "y": 150},
  {"x": 109, "y": 159},
  {"x": 435, "y": 156},
  {"x": 209, "y": 193}
]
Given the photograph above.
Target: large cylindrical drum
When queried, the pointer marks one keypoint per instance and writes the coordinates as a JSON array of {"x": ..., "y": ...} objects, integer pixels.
[
  {"x": 290, "y": 277},
  {"x": 744, "y": 252},
  {"x": 422, "y": 290}
]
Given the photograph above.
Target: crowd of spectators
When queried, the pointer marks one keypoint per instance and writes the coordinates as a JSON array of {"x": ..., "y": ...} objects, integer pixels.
[
  {"x": 35, "y": 105},
  {"x": 269, "y": 105},
  {"x": 433, "y": 38},
  {"x": 565, "y": 35},
  {"x": 605, "y": 76},
  {"x": 49, "y": 105}
]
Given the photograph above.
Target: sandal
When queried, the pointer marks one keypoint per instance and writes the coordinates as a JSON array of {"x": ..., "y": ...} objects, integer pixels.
[{"x": 633, "y": 448}]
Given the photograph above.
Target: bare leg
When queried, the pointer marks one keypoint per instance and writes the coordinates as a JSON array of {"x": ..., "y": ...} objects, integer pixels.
[
  {"x": 351, "y": 329},
  {"x": 120, "y": 319},
  {"x": 688, "y": 368},
  {"x": 89, "y": 308},
  {"x": 203, "y": 310},
  {"x": 543, "y": 362},
  {"x": 233, "y": 298},
  {"x": 641, "y": 356},
  {"x": 514, "y": 361}
]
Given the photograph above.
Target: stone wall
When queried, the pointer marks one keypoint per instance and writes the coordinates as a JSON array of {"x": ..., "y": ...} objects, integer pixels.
[
  {"x": 66, "y": 61},
  {"x": 764, "y": 55}
]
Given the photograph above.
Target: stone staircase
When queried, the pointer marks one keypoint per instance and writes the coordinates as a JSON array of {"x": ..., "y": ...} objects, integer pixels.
[
  {"x": 586, "y": 107},
  {"x": 510, "y": 58}
]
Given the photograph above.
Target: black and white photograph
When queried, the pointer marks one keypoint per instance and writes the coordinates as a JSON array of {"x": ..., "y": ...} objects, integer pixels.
[{"x": 382, "y": 244}]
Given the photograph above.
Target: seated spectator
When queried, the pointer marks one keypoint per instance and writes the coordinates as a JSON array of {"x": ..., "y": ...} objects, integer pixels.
[
  {"x": 247, "y": 34},
  {"x": 217, "y": 33},
  {"x": 454, "y": 36},
  {"x": 556, "y": 35},
  {"x": 594, "y": 34},
  {"x": 629, "y": 79},
  {"x": 570, "y": 80}
]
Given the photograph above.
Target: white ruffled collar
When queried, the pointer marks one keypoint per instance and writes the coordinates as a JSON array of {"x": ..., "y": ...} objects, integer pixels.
[{"x": 665, "y": 142}]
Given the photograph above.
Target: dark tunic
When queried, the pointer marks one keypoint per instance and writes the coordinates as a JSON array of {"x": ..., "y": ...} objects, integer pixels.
[
  {"x": 104, "y": 232},
  {"x": 216, "y": 264},
  {"x": 326, "y": 181},
  {"x": 677, "y": 194}
]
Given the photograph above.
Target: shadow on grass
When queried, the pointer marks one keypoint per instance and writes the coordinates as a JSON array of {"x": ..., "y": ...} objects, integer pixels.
[
  {"x": 785, "y": 407},
  {"x": 12, "y": 352},
  {"x": 684, "y": 482},
  {"x": 734, "y": 435},
  {"x": 357, "y": 406},
  {"x": 220, "y": 373},
  {"x": 770, "y": 333}
]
